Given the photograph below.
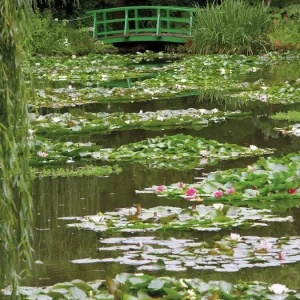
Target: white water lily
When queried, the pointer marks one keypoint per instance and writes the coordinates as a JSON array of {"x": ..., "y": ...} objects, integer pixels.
[
  {"x": 218, "y": 206},
  {"x": 235, "y": 237},
  {"x": 223, "y": 71},
  {"x": 253, "y": 147},
  {"x": 96, "y": 219},
  {"x": 278, "y": 289},
  {"x": 182, "y": 283}
]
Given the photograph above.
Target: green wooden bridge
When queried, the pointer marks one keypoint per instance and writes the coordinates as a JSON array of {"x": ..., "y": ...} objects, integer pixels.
[{"x": 143, "y": 24}]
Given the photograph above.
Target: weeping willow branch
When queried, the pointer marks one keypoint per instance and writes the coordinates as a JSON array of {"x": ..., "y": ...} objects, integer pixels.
[{"x": 15, "y": 196}]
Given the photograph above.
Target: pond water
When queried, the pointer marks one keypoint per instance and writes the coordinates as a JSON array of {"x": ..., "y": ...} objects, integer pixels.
[{"x": 56, "y": 245}]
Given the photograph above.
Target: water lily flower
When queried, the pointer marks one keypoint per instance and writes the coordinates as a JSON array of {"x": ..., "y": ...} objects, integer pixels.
[
  {"x": 278, "y": 289},
  {"x": 218, "y": 194},
  {"x": 203, "y": 161},
  {"x": 96, "y": 219},
  {"x": 140, "y": 244},
  {"x": 42, "y": 154},
  {"x": 235, "y": 237},
  {"x": 250, "y": 169},
  {"x": 292, "y": 191},
  {"x": 253, "y": 147},
  {"x": 73, "y": 56},
  {"x": 281, "y": 256},
  {"x": 230, "y": 191},
  {"x": 180, "y": 184},
  {"x": 218, "y": 206},
  {"x": 223, "y": 71},
  {"x": 203, "y": 152},
  {"x": 70, "y": 160},
  {"x": 266, "y": 245},
  {"x": 182, "y": 283},
  {"x": 191, "y": 192},
  {"x": 254, "y": 187},
  {"x": 159, "y": 188}
]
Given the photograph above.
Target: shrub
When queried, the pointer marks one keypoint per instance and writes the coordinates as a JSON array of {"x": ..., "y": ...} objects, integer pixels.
[
  {"x": 53, "y": 37},
  {"x": 232, "y": 27},
  {"x": 285, "y": 34}
]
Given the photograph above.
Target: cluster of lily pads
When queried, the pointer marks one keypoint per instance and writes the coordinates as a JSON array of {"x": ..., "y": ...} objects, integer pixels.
[
  {"x": 142, "y": 286},
  {"x": 87, "y": 170},
  {"x": 85, "y": 122},
  {"x": 268, "y": 179},
  {"x": 229, "y": 254},
  {"x": 178, "y": 152},
  {"x": 290, "y": 130},
  {"x": 189, "y": 75},
  {"x": 197, "y": 218}
]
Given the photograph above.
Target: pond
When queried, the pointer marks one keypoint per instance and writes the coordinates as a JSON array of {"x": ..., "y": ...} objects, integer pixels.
[{"x": 62, "y": 252}]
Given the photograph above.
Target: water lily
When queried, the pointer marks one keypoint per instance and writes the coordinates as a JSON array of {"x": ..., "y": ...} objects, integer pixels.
[
  {"x": 292, "y": 191},
  {"x": 278, "y": 289},
  {"x": 140, "y": 244},
  {"x": 250, "y": 169},
  {"x": 180, "y": 184},
  {"x": 230, "y": 191},
  {"x": 42, "y": 154},
  {"x": 96, "y": 219},
  {"x": 281, "y": 256},
  {"x": 218, "y": 206},
  {"x": 159, "y": 189},
  {"x": 191, "y": 192},
  {"x": 182, "y": 283},
  {"x": 70, "y": 160},
  {"x": 253, "y": 147},
  {"x": 266, "y": 245},
  {"x": 203, "y": 161},
  {"x": 254, "y": 187},
  {"x": 235, "y": 237},
  {"x": 203, "y": 152},
  {"x": 218, "y": 194}
]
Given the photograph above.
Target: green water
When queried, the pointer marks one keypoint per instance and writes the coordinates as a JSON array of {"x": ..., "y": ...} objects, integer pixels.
[{"x": 55, "y": 245}]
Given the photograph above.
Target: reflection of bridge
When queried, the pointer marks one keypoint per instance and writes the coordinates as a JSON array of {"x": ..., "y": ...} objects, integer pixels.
[{"x": 143, "y": 24}]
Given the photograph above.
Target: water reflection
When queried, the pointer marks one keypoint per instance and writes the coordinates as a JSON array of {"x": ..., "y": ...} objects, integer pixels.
[{"x": 56, "y": 245}]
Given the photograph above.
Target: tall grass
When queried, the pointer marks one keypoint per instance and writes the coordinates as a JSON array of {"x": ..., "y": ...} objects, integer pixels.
[{"x": 232, "y": 27}]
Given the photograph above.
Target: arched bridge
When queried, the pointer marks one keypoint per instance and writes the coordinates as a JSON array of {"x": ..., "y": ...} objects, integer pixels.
[{"x": 143, "y": 24}]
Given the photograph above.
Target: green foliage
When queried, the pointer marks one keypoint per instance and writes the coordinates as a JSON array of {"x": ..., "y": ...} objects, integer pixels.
[
  {"x": 142, "y": 286},
  {"x": 87, "y": 170},
  {"x": 285, "y": 34},
  {"x": 291, "y": 116},
  {"x": 51, "y": 37},
  {"x": 233, "y": 27},
  {"x": 16, "y": 202}
]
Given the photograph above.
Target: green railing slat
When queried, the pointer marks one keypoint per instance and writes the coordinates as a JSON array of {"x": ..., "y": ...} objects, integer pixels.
[{"x": 162, "y": 20}]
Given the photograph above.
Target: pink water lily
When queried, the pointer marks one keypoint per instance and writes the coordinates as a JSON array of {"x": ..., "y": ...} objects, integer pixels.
[
  {"x": 180, "y": 184},
  {"x": 42, "y": 154},
  {"x": 159, "y": 189},
  {"x": 191, "y": 192},
  {"x": 230, "y": 191},
  {"x": 265, "y": 245},
  {"x": 281, "y": 256},
  {"x": 218, "y": 194},
  {"x": 203, "y": 152}
]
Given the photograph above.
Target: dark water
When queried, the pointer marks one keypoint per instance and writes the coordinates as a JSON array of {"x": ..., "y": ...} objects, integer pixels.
[{"x": 55, "y": 245}]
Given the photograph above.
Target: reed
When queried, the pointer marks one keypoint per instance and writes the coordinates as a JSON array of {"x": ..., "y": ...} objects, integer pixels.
[{"x": 232, "y": 27}]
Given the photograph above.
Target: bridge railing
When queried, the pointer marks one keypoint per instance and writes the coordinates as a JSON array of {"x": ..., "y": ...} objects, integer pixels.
[{"x": 138, "y": 20}]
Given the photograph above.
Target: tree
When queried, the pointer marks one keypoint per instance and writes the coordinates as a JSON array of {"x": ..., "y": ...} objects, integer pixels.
[{"x": 15, "y": 196}]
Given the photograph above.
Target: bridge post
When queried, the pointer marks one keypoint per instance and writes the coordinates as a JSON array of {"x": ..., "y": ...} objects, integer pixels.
[
  {"x": 126, "y": 23},
  {"x": 95, "y": 32},
  {"x": 158, "y": 25}
]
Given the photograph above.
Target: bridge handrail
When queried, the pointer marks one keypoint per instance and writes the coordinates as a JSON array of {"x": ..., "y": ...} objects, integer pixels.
[
  {"x": 157, "y": 30},
  {"x": 180, "y": 8}
]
